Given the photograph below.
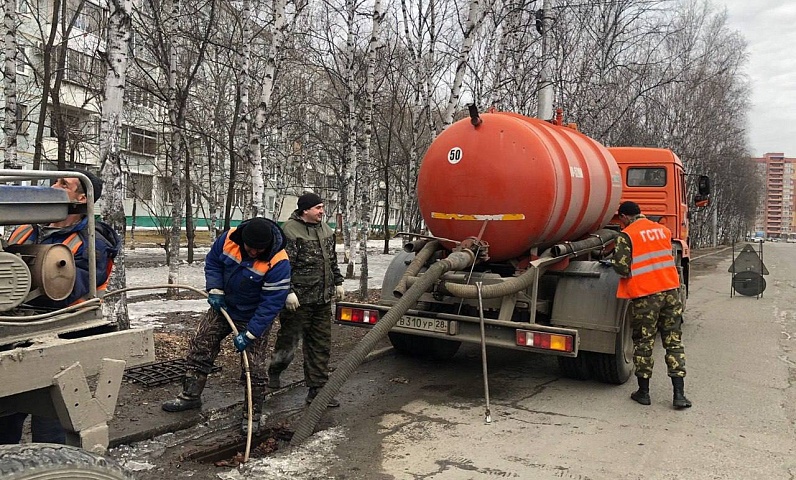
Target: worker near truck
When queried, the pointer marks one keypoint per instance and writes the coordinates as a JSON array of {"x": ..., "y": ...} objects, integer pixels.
[
  {"x": 72, "y": 232},
  {"x": 247, "y": 274},
  {"x": 650, "y": 281},
  {"x": 308, "y": 310}
]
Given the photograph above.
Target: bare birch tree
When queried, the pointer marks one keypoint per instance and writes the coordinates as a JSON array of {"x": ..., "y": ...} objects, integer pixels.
[
  {"x": 119, "y": 33},
  {"x": 363, "y": 174},
  {"x": 10, "y": 82}
]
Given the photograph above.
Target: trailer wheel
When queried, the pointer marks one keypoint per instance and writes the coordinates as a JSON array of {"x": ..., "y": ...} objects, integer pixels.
[
  {"x": 616, "y": 368},
  {"x": 576, "y": 368},
  {"x": 45, "y": 461},
  {"x": 424, "y": 347}
]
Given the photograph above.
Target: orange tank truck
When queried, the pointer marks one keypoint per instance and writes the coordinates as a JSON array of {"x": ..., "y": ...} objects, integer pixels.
[{"x": 534, "y": 202}]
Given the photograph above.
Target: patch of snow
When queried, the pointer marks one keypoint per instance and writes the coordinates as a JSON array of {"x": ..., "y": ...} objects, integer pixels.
[{"x": 308, "y": 461}]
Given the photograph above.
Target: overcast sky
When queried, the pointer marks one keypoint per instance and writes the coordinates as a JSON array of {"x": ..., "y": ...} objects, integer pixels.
[{"x": 770, "y": 30}]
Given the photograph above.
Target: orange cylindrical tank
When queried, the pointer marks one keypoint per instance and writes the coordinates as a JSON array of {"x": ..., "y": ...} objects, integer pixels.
[{"x": 533, "y": 182}]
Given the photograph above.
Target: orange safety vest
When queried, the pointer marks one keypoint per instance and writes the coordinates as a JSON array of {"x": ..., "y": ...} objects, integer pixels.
[
  {"x": 652, "y": 269},
  {"x": 72, "y": 242}
]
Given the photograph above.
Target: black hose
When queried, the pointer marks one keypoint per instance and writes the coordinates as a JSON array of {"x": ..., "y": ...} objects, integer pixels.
[
  {"x": 414, "y": 267},
  {"x": 306, "y": 424}
]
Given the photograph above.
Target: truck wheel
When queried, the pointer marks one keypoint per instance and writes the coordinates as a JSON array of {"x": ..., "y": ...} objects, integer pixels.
[
  {"x": 576, "y": 368},
  {"x": 45, "y": 461},
  {"x": 617, "y": 368},
  {"x": 423, "y": 347}
]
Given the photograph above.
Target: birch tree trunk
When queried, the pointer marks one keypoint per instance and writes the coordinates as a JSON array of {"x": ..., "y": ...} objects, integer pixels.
[
  {"x": 264, "y": 108},
  {"x": 175, "y": 152},
  {"x": 244, "y": 88},
  {"x": 474, "y": 18},
  {"x": 10, "y": 83},
  {"x": 119, "y": 33},
  {"x": 364, "y": 181},
  {"x": 349, "y": 183}
]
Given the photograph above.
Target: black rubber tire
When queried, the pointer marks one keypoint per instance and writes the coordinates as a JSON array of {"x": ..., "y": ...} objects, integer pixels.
[
  {"x": 576, "y": 368},
  {"x": 618, "y": 367},
  {"x": 423, "y": 347},
  {"x": 45, "y": 461}
]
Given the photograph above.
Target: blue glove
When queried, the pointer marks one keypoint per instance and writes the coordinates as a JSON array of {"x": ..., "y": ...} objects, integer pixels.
[
  {"x": 606, "y": 263},
  {"x": 216, "y": 300},
  {"x": 243, "y": 340}
]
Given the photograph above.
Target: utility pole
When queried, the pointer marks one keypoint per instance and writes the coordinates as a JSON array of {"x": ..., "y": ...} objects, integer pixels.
[{"x": 545, "y": 107}]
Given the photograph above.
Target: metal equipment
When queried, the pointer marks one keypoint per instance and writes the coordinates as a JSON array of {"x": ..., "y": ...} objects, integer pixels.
[{"x": 47, "y": 355}]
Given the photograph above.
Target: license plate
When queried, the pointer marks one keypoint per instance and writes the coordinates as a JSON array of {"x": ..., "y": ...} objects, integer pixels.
[{"x": 427, "y": 324}]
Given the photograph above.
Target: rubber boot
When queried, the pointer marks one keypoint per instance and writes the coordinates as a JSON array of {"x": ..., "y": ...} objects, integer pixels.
[
  {"x": 273, "y": 381},
  {"x": 191, "y": 397},
  {"x": 679, "y": 401},
  {"x": 258, "y": 396},
  {"x": 313, "y": 392},
  {"x": 642, "y": 395}
]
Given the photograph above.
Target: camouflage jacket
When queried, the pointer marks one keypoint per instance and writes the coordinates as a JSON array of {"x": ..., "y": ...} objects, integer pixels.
[
  {"x": 311, "y": 248},
  {"x": 623, "y": 253}
]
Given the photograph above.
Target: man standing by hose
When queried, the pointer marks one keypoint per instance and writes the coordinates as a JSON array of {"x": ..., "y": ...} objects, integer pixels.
[
  {"x": 649, "y": 279},
  {"x": 316, "y": 280},
  {"x": 247, "y": 273}
]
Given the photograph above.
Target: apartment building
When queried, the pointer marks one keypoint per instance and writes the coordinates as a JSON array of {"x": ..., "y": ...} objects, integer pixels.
[{"x": 777, "y": 212}]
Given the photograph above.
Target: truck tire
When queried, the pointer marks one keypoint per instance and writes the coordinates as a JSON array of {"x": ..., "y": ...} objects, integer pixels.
[
  {"x": 423, "y": 347},
  {"x": 45, "y": 461},
  {"x": 576, "y": 368},
  {"x": 616, "y": 368}
]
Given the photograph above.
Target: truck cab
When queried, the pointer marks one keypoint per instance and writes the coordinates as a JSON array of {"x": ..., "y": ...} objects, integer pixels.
[{"x": 655, "y": 179}]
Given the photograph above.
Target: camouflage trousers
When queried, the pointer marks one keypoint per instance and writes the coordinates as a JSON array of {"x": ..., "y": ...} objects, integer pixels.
[
  {"x": 206, "y": 344},
  {"x": 313, "y": 324},
  {"x": 658, "y": 313}
]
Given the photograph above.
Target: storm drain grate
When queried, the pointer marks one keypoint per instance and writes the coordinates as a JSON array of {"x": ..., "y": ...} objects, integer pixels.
[{"x": 160, "y": 373}]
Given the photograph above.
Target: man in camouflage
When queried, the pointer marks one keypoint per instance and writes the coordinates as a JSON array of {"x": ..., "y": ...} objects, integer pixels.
[
  {"x": 649, "y": 279},
  {"x": 316, "y": 279}
]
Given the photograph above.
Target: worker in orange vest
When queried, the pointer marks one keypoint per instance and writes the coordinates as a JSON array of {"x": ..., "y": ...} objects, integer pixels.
[
  {"x": 72, "y": 232},
  {"x": 650, "y": 281}
]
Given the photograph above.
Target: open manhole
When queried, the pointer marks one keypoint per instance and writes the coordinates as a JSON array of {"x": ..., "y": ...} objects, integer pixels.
[{"x": 230, "y": 454}]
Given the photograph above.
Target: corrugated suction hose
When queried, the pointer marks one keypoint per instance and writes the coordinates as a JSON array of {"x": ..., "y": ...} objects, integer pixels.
[{"x": 306, "y": 424}]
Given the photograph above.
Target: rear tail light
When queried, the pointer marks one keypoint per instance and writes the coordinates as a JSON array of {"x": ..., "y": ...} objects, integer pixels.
[
  {"x": 545, "y": 341},
  {"x": 357, "y": 315}
]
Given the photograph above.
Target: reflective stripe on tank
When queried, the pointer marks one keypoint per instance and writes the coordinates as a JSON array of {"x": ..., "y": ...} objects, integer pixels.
[{"x": 465, "y": 216}]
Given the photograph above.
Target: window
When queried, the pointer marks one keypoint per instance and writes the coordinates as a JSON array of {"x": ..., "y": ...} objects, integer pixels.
[
  {"x": 646, "y": 177},
  {"x": 23, "y": 123},
  {"x": 138, "y": 186},
  {"x": 21, "y": 61},
  {"x": 81, "y": 67},
  {"x": 90, "y": 18},
  {"x": 139, "y": 97},
  {"x": 138, "y": 140}
]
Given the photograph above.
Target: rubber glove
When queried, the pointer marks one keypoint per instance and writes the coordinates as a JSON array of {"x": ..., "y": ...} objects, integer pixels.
[
  {"x": 243, "y": 340},
  {"x": 216, "y": 300},
  {"x": 292, "y": 303},
  {"x": 339, "y": 292}
]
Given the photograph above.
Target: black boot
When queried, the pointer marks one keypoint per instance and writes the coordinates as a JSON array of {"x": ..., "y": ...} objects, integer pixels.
[
  {"x": 642, "y": 395},
  {"x": 313, "y": 392},
  {"x": 191, "y": 396},
  {"x": 273, "y": 381},
  {"x": 258, "y": 396},
  {"x": 679, "y": 401}
]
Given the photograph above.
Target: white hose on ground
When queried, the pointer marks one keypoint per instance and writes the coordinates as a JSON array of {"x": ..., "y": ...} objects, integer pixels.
[{"x": 244, "y": 356}]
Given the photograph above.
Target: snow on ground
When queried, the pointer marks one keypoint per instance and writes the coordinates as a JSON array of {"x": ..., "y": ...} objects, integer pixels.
[{"x": 150, "y": 312}]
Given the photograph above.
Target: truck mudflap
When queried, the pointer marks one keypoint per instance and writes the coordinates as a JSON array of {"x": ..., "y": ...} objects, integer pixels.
[
  {"x": 462, "y": 328},
  {"x": 49, "y": 377}
]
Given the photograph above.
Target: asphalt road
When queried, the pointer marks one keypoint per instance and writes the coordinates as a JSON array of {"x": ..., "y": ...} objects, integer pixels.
[
  {"x": 404, "y": 418},
  {"x": 741, "y": 371}
]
